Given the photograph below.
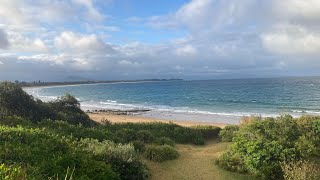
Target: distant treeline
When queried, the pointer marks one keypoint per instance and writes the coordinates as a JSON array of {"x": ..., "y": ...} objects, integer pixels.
[{"x": 43, "y": 83}]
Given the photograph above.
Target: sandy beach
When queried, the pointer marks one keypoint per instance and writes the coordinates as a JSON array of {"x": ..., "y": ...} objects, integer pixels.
[{"x": 98, "y": 116}]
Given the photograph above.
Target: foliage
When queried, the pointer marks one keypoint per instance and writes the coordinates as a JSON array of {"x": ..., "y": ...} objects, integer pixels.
[
  {"x": 125, "y": 135},
  {"x": 139, "y": 146},
  {"x": 300, "y": 170},
  {"x": 48, "y": 155},
  {"x": 67, "y": 108},
  {"x": 123, "y": 157},
  {"x": 228, "y": 132},
  {"x": 76, "y": 131},
  {"x": 15, "y": 101},
  {"x": 249, "y": 119},
  {"x": 12, "y": 172},
  {"x": 161, "y": 153},
  {"x": 232, "y": 161},
  {"x": 260, "y": 146},
  {"x": 145, "y": 136},
  {"x": 164, "y": 141},
  {"x": 127, "y": 132},
  {"x": 208, "y": 132}
]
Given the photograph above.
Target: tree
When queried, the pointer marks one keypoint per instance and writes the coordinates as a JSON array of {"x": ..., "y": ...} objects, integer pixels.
[{"x": 15, "y": 101}]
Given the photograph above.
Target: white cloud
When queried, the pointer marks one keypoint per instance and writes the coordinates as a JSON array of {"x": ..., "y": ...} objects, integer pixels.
[
  {"x": 186, "y": 50},
  {"x": 292, "y": 40},
  {"x": 10, "y": 12},
  {"x": 4, "y": 43},
  {"x": 294, "y": 29},
  {"x": 26, "y": 12},
  {"x": 80, "y": 43},
  {"x": 22, "y": 43},
  {"x": 76, "y": 62},
  {"x": 219, "y": 38},
  {"x": 297, "y": 9}
]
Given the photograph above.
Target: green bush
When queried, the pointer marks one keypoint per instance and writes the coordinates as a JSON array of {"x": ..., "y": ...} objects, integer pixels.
[
  {"x": 232, "y": 161},
  {"x": 48, "y": 155},
  {"x": 300, "y": 170},
  {"x": 12, "y": 172},
  {"x": 76, "y": 131},
  {"x": 161, "y": 153},
  {"x": 164, "y": 141},
  {"x": 16, "y": 102},
  {"x": 126, "y": 132},
  {"x": 260, "y": 146},
  {"x": 228, "y": 132},
  {"x": 145, "y": 136},
  {"x": 122, "y": 157},
  {"x": 125, "y": 135},
  {"x": 185, "y": 135},
  {"x": 208, "y": 132},
  {"x": 139, "y": 146}
]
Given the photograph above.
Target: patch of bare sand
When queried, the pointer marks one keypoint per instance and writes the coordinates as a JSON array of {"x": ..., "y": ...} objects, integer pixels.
[{"x": 136, "y": 119}]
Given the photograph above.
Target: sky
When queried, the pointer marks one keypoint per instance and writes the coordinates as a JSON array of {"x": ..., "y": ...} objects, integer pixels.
[{"x": 68, "y": 40}]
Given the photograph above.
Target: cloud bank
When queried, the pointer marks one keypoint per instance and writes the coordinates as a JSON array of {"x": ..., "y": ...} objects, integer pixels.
[{"x": 70, "y": 40}]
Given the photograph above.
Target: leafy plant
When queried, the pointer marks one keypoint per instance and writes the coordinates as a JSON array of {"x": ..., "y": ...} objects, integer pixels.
[
  {"x": 12, "y": 172},
  {"x": 164, "y": 141},
  {"x": 228, "y": 132},
  {"x": 161, "y": 153},
  {"x": 300, "y": 170},
  {"x": 260, "y": 146}
]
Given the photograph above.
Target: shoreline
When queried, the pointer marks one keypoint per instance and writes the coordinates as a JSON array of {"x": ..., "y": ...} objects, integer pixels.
[
  {"x": 62, "y": 84},
  {"x": 119, "y": 118}
]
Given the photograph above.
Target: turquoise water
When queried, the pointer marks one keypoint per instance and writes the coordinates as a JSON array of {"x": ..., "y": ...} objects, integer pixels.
[{"x": 267, "y": 97}]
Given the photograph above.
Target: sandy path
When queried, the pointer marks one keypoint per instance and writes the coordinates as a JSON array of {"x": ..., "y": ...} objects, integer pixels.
[{"x": 194, "y": 163}]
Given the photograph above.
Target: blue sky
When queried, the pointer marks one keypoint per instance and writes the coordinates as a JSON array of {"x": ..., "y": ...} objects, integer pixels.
[{"x": 54, "y": 40}]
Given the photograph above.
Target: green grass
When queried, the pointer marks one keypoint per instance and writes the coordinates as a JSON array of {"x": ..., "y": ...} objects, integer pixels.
[{"x": 195, "y": 162}]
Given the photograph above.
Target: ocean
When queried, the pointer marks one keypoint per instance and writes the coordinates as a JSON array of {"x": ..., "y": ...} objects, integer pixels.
[{"x": 219, "y": 101}]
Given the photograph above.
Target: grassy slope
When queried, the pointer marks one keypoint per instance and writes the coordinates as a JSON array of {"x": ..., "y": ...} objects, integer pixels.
[{"x": 195, "y": 162}]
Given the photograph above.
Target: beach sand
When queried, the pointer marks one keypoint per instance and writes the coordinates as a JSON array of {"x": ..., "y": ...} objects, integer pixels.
[{"x": 136, "y": 119}]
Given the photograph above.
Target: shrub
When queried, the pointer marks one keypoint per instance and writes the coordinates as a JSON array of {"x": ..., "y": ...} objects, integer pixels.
[
  {"x": 139, "y": 146},
  {"x": 125, "y": 135},
  {"x": 12, "y": 172},
  {"x": 47, "y": 154},
  {"x": 260, "y": 146},
  {"x": 76, "y": 131},
  {"x": 185, "y": 135},
  {"x": 249, "y": 119},
  {"x": 14, "y": 121},
  {"x": 16, "y": 102},
  {"x": 161, "y": 153},
  {"x": 208, "y": 132},
  {"x": 232, "y": 161},
  {"x": 164, "y": 141},
  {"x": 122, "y": 157},
  {"x": 228, "y": 132},
  {"x": 198, "y": 141},
  {"x": 300, "y": 170},
  {"x": 175, "y": 132},
  {"x": 67, "y": 108},
  {"x": 145, "y": 136}
]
